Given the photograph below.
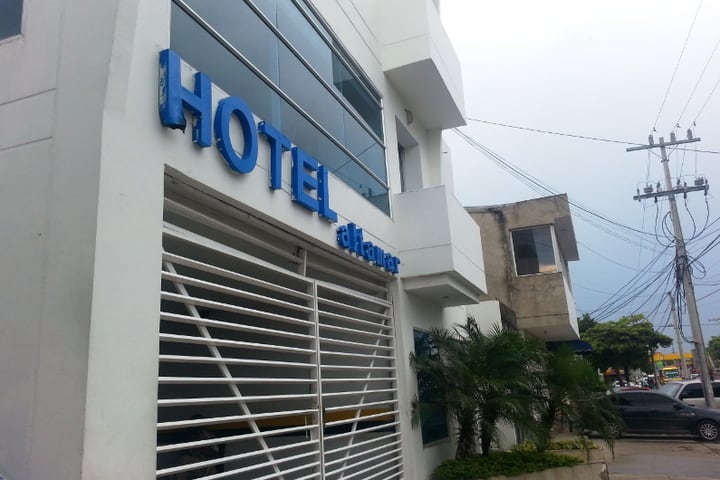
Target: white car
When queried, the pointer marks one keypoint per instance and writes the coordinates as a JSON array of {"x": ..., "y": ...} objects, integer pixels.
[{"x": 690, "y": 392}]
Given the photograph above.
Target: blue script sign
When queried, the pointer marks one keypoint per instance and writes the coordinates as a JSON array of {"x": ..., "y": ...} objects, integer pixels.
[{"x": 350, "y": 237}]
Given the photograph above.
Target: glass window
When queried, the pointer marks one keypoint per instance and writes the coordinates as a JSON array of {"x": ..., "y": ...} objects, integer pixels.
[
  {"x": 692, "y": 390},
  {"x": 352, "y": 117},
  {"x": 11, "y": 18},
  {"x": 654, "y": 400},
  {"x": 433, "y": 424},
  {"x": 204, "y": 53},
  {"x": 533, "y": 250}
]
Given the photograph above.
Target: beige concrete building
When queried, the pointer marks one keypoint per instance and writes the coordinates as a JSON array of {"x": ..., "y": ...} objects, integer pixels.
[{"x": 526, "y": 249}]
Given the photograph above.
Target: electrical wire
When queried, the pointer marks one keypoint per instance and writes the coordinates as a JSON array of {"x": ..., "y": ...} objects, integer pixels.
[
  {"x": 629, "y": 291},
  {"x": 550, "y": 132},
  {"x": 708, "y": 295},
  {"x": 702, "y": 74},
  {"x": 707, "y": 100},
  {"x": 582, "y": 212},
  {"x": 677, "y": 65},
  {"x": 639, "y": 286},
  {"x": 609, "y": 259},
  {"x": 572, "y": 135}
]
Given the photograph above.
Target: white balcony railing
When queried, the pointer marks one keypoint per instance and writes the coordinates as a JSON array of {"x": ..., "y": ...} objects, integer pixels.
[{"x": 440, "y": 247}]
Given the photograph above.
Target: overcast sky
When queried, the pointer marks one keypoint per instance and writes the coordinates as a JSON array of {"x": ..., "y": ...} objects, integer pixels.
[{"x": 596, "y": 69}]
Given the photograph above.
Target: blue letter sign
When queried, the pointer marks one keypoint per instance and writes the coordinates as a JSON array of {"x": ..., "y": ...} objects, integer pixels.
[
  {"x": 174, "y": 97},
  {"x": 350, "y": 237},
  {"x": 309, "y": 181}
]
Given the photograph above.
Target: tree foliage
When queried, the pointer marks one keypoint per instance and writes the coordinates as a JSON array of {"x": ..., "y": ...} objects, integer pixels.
[
  {"x": 571, "y": 389},
  {"x": 713, "y": 348},
  {"x": 625, "y": 343},
  {"x": 481, "y": 379},
  {"x": 484, "y": 378},
  {"x": 586, "y": 322}
]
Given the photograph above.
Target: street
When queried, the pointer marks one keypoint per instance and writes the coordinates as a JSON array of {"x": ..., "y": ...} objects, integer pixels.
[{"x": 656, "y": 458}]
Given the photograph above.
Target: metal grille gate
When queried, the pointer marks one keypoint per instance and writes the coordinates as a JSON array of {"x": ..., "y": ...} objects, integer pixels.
[{"x": 265, "y": 373}]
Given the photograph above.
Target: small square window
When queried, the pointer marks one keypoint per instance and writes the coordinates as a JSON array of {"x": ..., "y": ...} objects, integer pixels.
[
  {"x": 10, "y": 18},
  {"x": 533, "y": 250}
]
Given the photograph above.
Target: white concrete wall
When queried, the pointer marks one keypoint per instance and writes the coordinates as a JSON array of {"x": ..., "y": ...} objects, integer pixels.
[
  {"x": 51, "y": 113},
  {"x": 412, "y": 312},
  {"x": 82, "y": 159}
]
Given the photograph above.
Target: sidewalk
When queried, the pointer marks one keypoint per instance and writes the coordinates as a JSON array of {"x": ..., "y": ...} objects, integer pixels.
[
  {"x": 628, "y": 476},
  {"x": 659, "y": 458}
]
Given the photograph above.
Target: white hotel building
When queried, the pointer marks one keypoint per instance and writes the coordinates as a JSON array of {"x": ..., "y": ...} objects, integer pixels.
[{"x": 198, "y": 303}]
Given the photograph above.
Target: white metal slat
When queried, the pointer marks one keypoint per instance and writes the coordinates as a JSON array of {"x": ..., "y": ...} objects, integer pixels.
[
  {"x": 188, "y": 212},
  {"x": 227, "y": 307},
  {"x": 225, "y": 372},
  {"x": 364, "y": 443},
  {"x": 364, "y": 472},
  {"x": 179, "y": 402},
  {"x": 234, "y": 276},
  {"x": 234, "y": 292},
  {"x": 233, "y": 361},
  {"x": 238, "y": 327},
  {"x": 384, "y": 453},
  {"x": 233, "y": 438},
  {"x": 218, "y": 461},
  {"x": 361, "y": 405},
  {"x": 215, "y": 342},
  {"x": 361, "y": 305}
]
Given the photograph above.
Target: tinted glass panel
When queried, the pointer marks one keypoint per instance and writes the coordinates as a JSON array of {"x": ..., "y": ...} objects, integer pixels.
[
  {"x": 364, "y": 147},
  {"x": 256, "y": 41},
  {"x": 652, "y": 400},
  {"x": 357, "y": 96},
  {"x": 239, "y": 25},
  {"x": 433, "y": 424},
  {"x": 693, "y": 390},
  {"x": 305, "y": 39},
  {"x": 533, "y": 251},
  {"x": 300, "y": 85},
  {"x": 10, "y": 18},
  {"x": 200, "y": 50}
]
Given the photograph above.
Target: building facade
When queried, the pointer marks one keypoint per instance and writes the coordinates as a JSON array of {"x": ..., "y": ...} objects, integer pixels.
[
  {"x": 526, "y": 247},
  {"x": 224, "y": 226}
]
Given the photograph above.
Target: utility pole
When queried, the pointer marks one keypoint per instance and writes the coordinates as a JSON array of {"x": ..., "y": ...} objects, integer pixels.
[
  {"x": 681, "y": 260},
  {"x": 683, "y": 364}
]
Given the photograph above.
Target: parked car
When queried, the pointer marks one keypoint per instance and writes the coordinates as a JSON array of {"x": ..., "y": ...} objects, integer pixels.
[
  {"x": 647, "y": 412},
  {"x": 691, "y": 392}
]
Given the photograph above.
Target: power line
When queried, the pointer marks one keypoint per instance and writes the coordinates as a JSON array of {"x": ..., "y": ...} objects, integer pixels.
[
  {"x": 541, "y": 188},
  {"x": 609, "y": 259},
  {"x": 538, "y": 130},
  {"x": 572, "y": 135},
  {"x": 677, "y": 64},
  {"x": 702, "y": 74},
  {"x": 707, "y": 100}
]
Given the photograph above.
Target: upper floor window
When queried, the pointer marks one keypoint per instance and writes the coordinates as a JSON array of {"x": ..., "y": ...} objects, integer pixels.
[
  {"x": 533, "y": 248},
  {"x": 283, "y": 60},
  {"x": 10, "y": 18}
]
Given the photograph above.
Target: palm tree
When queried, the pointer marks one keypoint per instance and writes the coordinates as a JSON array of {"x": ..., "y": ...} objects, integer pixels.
[
  {"x": 481, "y": 379},
  {"x": 571, "y": 389}
]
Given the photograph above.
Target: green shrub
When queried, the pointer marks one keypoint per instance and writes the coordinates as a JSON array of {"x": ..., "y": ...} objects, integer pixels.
[
  {"x": 526, "y": 446},
  {"x": 581, "y": 443},
  {"x": 501, "y": 463}
]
